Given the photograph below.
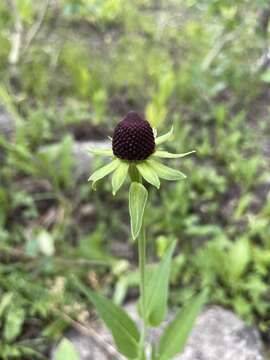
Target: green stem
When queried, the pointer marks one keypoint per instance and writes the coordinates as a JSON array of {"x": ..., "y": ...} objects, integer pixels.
[
  {"x": 135, "y": 176},
  {"x": 142, "y": 269}
]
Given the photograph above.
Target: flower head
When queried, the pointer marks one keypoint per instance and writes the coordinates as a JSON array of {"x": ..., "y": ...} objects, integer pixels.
[
  {"x": 134, "y": 147},
  {"x": 133, "y": 138}
]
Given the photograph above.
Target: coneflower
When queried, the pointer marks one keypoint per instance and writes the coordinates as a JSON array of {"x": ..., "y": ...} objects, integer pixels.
[
  {"x": 134, "y": 147},
  {"x": 135, "y": 153}
]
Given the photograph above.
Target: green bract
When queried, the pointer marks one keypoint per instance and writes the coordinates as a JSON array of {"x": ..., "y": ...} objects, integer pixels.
[
  {"x": 137, "y": 201},
  {"x": 150, "y": 169}
]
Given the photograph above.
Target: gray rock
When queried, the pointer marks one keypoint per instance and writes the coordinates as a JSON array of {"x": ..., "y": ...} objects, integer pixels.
[
  {"x": 218, "y": 335},
  {"x": 221, "y": 335},
  {"x": 83, "y": 159}
]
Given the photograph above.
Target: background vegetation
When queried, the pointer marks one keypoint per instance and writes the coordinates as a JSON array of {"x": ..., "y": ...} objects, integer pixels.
[{"x": 70, "y": 70}]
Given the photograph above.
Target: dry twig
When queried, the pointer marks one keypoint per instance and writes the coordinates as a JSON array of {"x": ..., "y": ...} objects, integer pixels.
[{"x": 110, "y": 351}]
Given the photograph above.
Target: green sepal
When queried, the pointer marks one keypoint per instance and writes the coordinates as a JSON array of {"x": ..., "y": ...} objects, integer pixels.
[
  {"x": 161, "y": 139},
  {"x": 105, "y": 152},
  {"x": 148, "y": 173},
  {"x": 119, "y": 176},
  {"x": 137, "y": 201},
  {"x": 157, "y": 288},
  {"x": 124, "y": 331},
  {"x": 165, "y": 172},
  {"x": 168, "y": 155},
  {"x": 104, "y": 171},
  {"x": 175, "y": 335}
]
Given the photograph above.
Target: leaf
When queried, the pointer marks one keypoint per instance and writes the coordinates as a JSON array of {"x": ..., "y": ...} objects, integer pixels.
[
  {"x": 137, "y": 201},
  {"x": 239, "y": 257},
  {"x": 119, "y": 176},
  {"x": 5, "y": 302},
  {"x": 122, "y": 327},
  {"x": 55, "y": 328},
  {"x": 157, "y": 289},
  {"x": 168, "y": 155},
  {"x": 148, "y": 174},
  {"x": 13, "y": 323},
  {"x": 161, "y": 139},
  {"x": 105, "y": 152},
  {"x": 165, "y": 172},
  {"x": 104, "y": 171},
  {"x": 266, "y": 76},
  {"x": 66, "y": 351},
  {"x": 45, "y": 243},
  {"x": 176, "y": 333}
]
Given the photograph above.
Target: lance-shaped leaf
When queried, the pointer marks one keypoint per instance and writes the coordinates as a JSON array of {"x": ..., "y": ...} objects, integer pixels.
[
  {"x": 137, "y": 201},
  {"x": 66, "y": 350},
  {"x": 119, "y": 176},
  {"x": 165, "y": 172},
  {"x": 168, "y": 155},
  {"x": 157, "y": 289},
  {"x": 161, "y": 139},
  {"x": 148, "y": 173},
  {"x": 104, "y": 171},
  {"x": 124, "y": 331},
  {"x": 105, "y": 152},
  {"x": 176, "y": 334}
]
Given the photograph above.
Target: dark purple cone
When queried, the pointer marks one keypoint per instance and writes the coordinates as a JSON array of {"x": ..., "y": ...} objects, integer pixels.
[{"x": 133, "y": 138}]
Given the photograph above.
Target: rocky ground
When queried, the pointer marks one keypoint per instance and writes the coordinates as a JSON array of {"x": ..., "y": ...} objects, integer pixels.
[{"x": 218, "y": 335}]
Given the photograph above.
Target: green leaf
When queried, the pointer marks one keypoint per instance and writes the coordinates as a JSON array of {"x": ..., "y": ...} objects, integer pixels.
[
  {"x": 165, "y": 172},
  {"x": 168, "y": 155},
  {"x": 157, "y": 289},
  {"x": 13, "y": 323},
  {"x": 161, "y": 139},
  {"x": 45, "y": 243},
  {"x": 148, "y": 173},
  {"x": 176, "y": 333},
  {"x": 239, "y": 257},
  {"x": 119, "y": 176},
  {"x": 66, "y": 351},
  {"x": 137, "y": 201},
  {"x": 105, "y": 152},
  {"x": 5, "y": 302},
  {"x": 122, "y": 327},
  {"x": 266, "y": 76},
  {"x": 104, "y": 171}
]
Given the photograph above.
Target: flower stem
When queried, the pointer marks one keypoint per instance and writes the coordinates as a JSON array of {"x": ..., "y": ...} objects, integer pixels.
[
  {"x": 135, "y": 176},
  {"x": 142, "y": 268}
]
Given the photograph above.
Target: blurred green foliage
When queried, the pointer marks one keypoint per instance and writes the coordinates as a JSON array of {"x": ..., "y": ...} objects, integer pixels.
[{"x": 82, "y": 64}]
